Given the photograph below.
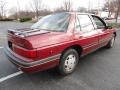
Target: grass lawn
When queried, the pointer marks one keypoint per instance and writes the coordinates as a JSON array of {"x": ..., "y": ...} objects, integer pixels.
[{"x": 114, "y": 25}]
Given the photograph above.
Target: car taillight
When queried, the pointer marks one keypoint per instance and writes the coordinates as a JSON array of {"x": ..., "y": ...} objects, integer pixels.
[
  {"x": 28, "y": 53},
  {"x": 31, "y": 53},
  {"x": 25, "y": 52}
]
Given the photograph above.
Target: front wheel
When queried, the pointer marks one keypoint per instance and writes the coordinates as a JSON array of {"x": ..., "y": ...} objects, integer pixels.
[
  {"x": 111, "y": 42},
  {"x": 68, "y": 62}
]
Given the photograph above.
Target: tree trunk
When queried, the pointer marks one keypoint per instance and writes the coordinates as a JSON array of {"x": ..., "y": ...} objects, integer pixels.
[{"x": 117, "y": 12}]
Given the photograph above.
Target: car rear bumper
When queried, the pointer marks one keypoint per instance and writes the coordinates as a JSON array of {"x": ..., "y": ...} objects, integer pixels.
[{"x": 30, "y": 67}]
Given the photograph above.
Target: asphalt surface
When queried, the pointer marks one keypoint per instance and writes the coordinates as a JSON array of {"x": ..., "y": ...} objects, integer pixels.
[{"x": 97, "y": 71}]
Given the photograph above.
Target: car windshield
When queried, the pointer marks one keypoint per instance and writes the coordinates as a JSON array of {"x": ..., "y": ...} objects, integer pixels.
[{"x": 54, "y": 22}]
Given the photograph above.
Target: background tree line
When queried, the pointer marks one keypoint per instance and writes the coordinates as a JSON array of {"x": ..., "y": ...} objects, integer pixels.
[
  {"x": 113, "y": 6},
  {"x": 35, "y": 9}
]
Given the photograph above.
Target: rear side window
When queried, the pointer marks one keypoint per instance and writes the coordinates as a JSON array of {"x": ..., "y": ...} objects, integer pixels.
[{"x": 85, "y": 23}]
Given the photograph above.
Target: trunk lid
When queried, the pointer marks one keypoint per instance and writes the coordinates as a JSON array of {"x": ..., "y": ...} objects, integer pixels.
[{"x": 31, "y": 39}]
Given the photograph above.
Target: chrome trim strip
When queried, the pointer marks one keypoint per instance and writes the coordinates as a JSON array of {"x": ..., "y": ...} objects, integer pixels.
[
  {"x": 104, "y": 40},
  {"x": 95, "y": 43},
  {"x": 25, "y": 64},
  {"x": 90, "y": 45}
]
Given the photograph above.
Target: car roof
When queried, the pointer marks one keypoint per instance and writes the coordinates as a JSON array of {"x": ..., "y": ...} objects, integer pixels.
[
  {"x": 76, "y": 13},
  {"x": 80, "y": 13}
]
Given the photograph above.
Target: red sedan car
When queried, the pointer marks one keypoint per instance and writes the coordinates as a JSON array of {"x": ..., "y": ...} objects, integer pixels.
[{"x": 58, "y": 40}]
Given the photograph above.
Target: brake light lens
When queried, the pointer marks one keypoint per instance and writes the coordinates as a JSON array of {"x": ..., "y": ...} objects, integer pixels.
[
  {"x": 31, "y": 53},
  {"x": 25, "y": 52}
]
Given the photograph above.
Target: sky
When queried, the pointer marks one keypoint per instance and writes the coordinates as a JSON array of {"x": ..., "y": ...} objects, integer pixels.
[{"x": 52, "y": 4}]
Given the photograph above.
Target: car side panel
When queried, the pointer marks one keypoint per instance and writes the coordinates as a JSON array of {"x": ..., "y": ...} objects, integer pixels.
[
  {"x": 88, "y": 41},
  {"x": 104, "y": 36}
]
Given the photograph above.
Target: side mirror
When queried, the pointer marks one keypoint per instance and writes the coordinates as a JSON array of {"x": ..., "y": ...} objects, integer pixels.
[{"x": 108, "y": 27}]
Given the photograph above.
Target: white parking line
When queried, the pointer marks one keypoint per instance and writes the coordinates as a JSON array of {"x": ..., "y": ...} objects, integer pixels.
[
  {"x": 10, "y": 76},
  {"x": 3, "y": 37},
  {"x": 1, "y": 47}
]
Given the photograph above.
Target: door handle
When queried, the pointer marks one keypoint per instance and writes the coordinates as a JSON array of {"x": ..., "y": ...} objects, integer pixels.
[
  {"x": 77, "y": 36},
  {"x": 80, "y": 36}
]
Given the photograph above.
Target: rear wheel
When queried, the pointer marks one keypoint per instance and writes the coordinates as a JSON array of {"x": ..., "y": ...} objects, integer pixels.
[
  {"x": 111, "y": 42},
  {"x": 68, "y": 62}
]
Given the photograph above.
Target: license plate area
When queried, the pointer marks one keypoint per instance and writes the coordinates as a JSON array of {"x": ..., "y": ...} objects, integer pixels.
[{"x": 10, "y": 45}]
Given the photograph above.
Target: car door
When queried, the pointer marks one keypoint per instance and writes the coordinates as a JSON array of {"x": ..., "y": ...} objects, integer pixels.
[
  {"x": 86, "y": 34},
  {"x": 104, "y": 34}
]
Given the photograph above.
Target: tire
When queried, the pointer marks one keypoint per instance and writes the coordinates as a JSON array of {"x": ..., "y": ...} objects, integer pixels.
[
  {"x": 111, "y": 42},
  {"x": 68, "y": 62}
]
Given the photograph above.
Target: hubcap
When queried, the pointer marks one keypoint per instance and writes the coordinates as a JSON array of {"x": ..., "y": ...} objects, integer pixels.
[
  {"x": 70, "y": 62},
  {"x": 112, "y": 41}
]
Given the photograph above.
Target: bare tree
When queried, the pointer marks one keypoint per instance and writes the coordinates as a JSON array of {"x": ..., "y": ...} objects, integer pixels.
[
  {"x": 36, "y": 7},
  {"x": 13, "y": 13},
  {"x": 81, "y": 9},
  {"x": 18, "y": 10},
  {"x": 67, "y": 5},
  {"x": 2, "y": 8},
  {"x": 59, "y": 9},
  {"x": 113, "y": 6},
  {"x": 118, "y": 9}
]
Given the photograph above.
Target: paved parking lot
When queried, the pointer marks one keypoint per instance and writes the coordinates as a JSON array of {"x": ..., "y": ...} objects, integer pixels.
[{"x": 97, "y": 71}]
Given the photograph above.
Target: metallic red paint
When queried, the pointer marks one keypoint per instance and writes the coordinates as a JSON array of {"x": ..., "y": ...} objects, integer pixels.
[{"x": 53, "y": 43}]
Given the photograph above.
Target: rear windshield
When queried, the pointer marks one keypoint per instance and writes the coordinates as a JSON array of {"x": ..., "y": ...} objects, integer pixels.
[{"x": 54, "y": 22}]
